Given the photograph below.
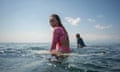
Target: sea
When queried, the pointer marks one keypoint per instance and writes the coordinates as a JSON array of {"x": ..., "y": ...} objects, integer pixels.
[{"x": 95, "y": 57}]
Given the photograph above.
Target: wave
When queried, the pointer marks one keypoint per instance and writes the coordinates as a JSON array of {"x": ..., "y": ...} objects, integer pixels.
[{"x": 21, "y": 58}]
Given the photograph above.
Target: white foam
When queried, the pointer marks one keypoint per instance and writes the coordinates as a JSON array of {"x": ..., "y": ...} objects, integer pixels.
[{"x": 66, "y": 54}]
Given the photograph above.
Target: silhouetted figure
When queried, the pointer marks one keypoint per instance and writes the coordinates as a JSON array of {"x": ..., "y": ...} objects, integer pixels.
[{"x": 80, "y": 42}]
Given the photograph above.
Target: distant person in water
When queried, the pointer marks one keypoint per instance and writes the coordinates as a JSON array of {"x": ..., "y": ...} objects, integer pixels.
[
  {"x": 60, "y": 39},
  {"x": 80, "y": 42}
]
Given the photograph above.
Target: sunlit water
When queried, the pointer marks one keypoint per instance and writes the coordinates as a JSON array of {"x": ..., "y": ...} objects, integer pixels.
[{"x": 20, "y": 57}]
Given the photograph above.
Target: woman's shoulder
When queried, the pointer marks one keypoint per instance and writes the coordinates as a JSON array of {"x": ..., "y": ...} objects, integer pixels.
[{"x": 58, "y": 28}]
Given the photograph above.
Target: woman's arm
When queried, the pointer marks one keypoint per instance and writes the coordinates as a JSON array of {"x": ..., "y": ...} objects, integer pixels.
[{"x": 55, "y": 38}]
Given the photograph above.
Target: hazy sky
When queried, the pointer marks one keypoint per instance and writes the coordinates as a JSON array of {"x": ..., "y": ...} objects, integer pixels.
[{"x": 28, "y": 20}]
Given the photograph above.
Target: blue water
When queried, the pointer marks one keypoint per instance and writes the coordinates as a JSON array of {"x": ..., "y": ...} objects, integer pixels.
[{"x": 19, "y": 57}]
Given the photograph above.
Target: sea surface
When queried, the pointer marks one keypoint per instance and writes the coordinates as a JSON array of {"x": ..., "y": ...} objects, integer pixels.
[{"x": 20, "y": 57}]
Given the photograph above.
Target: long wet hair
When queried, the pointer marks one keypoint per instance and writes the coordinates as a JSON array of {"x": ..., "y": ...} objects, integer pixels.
[{"x": 59, "y": 22}]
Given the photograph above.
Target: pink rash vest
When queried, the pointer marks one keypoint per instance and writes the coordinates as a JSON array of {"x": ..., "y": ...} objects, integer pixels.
[{"x": 58, "y": 35}]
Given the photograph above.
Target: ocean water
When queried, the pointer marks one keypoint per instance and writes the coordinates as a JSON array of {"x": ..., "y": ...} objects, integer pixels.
[{"x": 20, "y": 57}]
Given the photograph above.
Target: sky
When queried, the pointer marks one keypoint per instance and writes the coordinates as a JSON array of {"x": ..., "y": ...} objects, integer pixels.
[{"x": 28, "y": 20}]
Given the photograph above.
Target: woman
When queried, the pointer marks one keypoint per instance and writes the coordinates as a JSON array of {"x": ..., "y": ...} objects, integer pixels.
[{"x": 60, "y": 39}]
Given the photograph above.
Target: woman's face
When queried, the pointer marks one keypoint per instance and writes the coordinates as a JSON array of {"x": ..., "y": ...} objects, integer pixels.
[{"x": 53, "y": 21}]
